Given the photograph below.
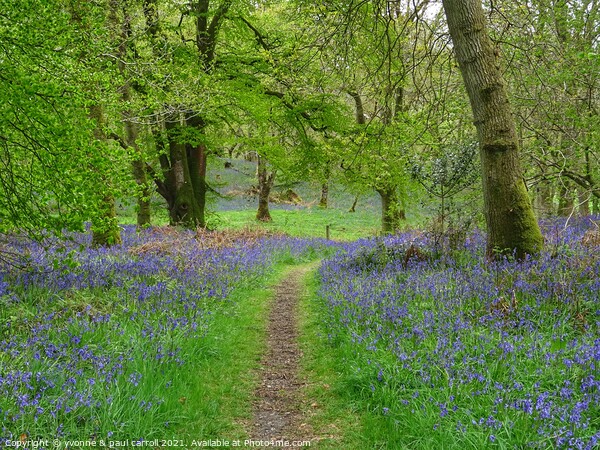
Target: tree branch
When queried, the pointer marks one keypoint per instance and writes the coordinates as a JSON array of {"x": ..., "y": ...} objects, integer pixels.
[
  {"x": 257, "y": 34},
  {"x": 291, "y": 106}
]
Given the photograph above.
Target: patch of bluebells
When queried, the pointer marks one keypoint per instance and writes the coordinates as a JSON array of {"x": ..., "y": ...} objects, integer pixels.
[
  {"x": 84, "y": 320},
  {"x": 4, "y": 286},
  {"x": 509, "y": 351}
]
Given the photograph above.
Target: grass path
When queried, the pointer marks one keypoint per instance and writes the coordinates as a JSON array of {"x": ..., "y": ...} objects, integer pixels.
[{"x": 338, "y": 420}]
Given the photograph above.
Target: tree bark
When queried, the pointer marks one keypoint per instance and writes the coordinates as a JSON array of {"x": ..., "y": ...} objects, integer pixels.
[
  {"x": 392, "y": 213},
  {"x": 265, "y": 183},
  {"x": 358, "y": 107},
  {"x": 138, "y": 165},
  {"x": 324, "y": 195},
  {"x": 196, "y": 156},
  {"x": 510, "y": 220},
  {"x": 105, "y": 228},
  {"x": 184, "y": 208}
]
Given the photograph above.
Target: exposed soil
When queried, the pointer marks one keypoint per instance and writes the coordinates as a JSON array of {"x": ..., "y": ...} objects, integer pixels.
[{"x": 277, "y": 408}]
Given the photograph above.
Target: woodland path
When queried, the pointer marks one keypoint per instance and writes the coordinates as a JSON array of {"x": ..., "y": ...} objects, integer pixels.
[{"x": 277, "y": 409}]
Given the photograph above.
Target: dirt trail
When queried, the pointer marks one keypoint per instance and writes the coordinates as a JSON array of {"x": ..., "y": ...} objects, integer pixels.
[{"x": 277, "y": 408}]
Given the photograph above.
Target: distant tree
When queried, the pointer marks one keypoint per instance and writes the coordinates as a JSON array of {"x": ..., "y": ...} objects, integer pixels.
[
  {"x": 53, "y": 167},
  {"x": 511, "y": 223},
  {"x": 266, "y": 179},
  {"x": 121, "y": 23}
]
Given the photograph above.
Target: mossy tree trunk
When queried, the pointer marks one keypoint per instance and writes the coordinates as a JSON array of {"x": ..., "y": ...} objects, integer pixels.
[
  {"x": 181, "y": 173},
  {"x": 105, "y": 228},
  {"x": 324, "y": 195},
  {"x": 122, "y": 29},
  {"x": 392, "y": 213},
  {"x": 265, "y": 183},
  {"x": 511, "y": 224}
]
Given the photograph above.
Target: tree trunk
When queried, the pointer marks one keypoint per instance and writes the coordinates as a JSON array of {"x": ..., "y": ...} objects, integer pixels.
[
  {"x": 265, "y": 183},
  {"x": 510, "y": 220},
  {"x": 543, "y": 199},
  {"x": 324, "y": 195},
  {"x": 184, "y": 208},
  {"x": 391, "y": 212},
  {"x": 566, "y": 199},
  {"x": 196, "y": 155},
  {"x": 358, "y": 108},
  {"x": 105, "y": 228},
  {"x": 353, "y": 207},
  {"x": 183, "y": 165}
]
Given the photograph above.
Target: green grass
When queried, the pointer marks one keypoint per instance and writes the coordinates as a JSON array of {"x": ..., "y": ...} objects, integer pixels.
[
  {"x": 341, "y": 419},
  {"x": 304, "y": 222},
  {"x": 219, "y": 389},
  {"x": 310, "y": 222},
  {"x": 209, "y": 397}
]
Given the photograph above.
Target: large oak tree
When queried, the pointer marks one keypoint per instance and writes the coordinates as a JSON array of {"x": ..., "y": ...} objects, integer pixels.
[{"x": 511, "y": 223}]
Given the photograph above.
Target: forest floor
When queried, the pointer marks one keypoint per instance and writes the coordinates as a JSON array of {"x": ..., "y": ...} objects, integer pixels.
[{"x": 280, "y": 404}]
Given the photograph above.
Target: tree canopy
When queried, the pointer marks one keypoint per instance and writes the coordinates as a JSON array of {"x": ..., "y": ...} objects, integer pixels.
[{"x": 116, "y": 98}]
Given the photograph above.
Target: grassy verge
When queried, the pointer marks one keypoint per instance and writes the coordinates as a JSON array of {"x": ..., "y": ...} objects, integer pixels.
[
  {"x": 338, "y": 417},
  {"x": 219, "y": 389}
]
